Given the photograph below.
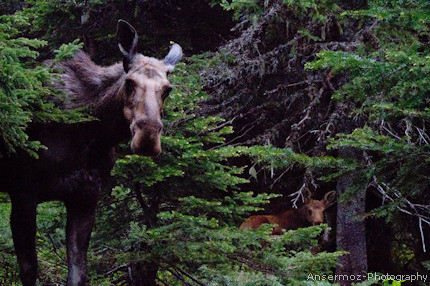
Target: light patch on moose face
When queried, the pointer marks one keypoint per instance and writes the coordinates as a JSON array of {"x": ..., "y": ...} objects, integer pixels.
[{"x": 145, "y": 91}]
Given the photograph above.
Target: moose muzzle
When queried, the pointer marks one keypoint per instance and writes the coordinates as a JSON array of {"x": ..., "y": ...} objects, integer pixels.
[{"x": 146, "y": 137}]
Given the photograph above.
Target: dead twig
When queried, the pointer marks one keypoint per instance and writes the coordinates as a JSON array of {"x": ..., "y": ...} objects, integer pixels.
[
  {"x": 178, "y": 275},
  {"x": 411, "y": 207},
  {"x": 297, "y": 195},
  {"x": 116, "y": 269},
  {"x": 280, "y": 176},
  {"x": 189, "y": 276}
]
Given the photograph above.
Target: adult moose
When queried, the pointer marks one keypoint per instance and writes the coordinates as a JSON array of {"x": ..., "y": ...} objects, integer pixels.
[
  {"x": 125, "y": 97},
  {"x": 311, "y": 213}
]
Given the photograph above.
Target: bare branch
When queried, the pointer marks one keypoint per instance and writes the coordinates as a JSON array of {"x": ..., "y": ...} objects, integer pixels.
[
  {"x": 189, "y": 276},
  {"x": 297, "y": 195},
  {"x": 391, "y": 133},
  {"x": 423, "y": 137},
  {"x": 420, "y": 225},
  {"x": 116, "y": 269},
  {"x": 280, "y": 176},
  {"x": 54, "y": 246},
  {"x": 179, "y": 276},
  {"x": 411, "y": 207}
]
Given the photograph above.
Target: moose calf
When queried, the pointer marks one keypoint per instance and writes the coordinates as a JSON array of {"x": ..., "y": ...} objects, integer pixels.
[{"x": 311, "y": 213}]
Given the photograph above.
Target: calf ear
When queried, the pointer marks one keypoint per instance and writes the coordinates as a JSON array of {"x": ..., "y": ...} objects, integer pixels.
[
  {"x": 329, "y": 198},
  {"x": 173, "y": 57},
  {"x": 127, "y": 42},
  {"x": 306, "y": 195}
]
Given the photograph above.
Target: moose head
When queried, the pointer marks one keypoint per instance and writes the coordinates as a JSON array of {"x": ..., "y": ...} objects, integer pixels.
[
  {"x": 144, "y": 90},
  {"x": 314, "y": 209}
]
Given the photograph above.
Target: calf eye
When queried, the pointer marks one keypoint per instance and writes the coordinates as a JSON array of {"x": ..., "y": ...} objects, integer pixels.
[{"x": 166, "y": 92}]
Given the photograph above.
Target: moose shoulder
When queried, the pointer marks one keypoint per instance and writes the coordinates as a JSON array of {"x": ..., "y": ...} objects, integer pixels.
[
  {"x": 311, "y": 213},
  {"x": 127, "y": 98}
]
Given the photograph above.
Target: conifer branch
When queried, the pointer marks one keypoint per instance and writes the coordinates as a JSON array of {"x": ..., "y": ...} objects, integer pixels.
[
  {"x": 412, "y": 211},
  {"x": 189, "y": 276}
]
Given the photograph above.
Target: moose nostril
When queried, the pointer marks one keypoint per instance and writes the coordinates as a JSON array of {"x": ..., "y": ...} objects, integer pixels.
[
  {"x": 159, "y": 127},
  {"x": 153, "y": 126}
]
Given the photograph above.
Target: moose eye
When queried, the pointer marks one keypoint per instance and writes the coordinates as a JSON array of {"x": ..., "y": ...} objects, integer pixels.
[
  {"x": 166, "y": 92},
  {"x": 129, "y": 86}
]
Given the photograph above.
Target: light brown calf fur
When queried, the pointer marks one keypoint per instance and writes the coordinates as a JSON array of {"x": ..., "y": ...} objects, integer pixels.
[{"x": 311, "y": 213}]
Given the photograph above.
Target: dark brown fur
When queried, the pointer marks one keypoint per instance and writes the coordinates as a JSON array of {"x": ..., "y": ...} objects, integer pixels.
[
  {"x": 86, "y": 83},
  {"x": 312, "y": 213},
  {"x": 80, "y": 156}
]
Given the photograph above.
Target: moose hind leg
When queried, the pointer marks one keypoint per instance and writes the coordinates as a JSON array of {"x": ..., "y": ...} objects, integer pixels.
[
  {"x": 78, "y": 231},
  {"x": 23, "y": 225}
]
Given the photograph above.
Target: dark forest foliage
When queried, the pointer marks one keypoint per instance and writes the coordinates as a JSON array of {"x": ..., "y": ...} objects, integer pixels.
[
  {"x": 257, "y": 113},
  {"x": 25, "y": 94},
  {"x": 318, "y": 77}
]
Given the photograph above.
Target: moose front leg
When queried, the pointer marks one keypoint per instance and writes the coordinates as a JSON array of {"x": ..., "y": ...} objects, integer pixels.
[
  {"x": 80, "y": 222},
  {"x": 23, "y": 225}
]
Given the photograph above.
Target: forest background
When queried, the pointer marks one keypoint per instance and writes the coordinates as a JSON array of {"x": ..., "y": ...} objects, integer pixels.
[{"x": 272, "y": 97}]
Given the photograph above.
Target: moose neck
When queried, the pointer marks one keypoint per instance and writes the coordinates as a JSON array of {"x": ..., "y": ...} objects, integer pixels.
[
  {"x": 88, "y": 84},
  {"x": 111, "y": 127},
  {"x": 301, "y": 213},
  {"x": 295, "y": 217}
]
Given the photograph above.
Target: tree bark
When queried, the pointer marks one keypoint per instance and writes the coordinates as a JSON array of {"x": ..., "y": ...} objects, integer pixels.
[
  {"x": 146, "y": 275},
  {"x": 351, "y": 232}
]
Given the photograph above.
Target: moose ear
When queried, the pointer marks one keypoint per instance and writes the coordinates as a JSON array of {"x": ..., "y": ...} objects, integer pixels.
[
  {"x": 329, "y": 198},
  {"x": 173, "y": 57},
  {"x": 306, "y": 195},
  {"x": 127, "y": 42}
]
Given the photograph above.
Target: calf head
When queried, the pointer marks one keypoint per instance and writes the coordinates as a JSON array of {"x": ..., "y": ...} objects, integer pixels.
[
  {"x": 144, "y": 89},
  {"x": 314, "y": 209}
]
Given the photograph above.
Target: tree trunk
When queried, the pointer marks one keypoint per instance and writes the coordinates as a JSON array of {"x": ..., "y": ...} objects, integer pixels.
[
  {"x": 351, "y": 232},
  {"x": 146, "y": 271},
  {"x": 146, "y": 275}
]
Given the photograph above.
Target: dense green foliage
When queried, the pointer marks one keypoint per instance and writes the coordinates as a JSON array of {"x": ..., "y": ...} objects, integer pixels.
[
  {"x": 50, "y": 241},
  {"x": 183, "y": 208},
  {"x": 340, "y": 77},
  {"x": 24, "y": 94},
  {"x": 389, "y": 85},
  {"x": 178, "y": 214}
]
